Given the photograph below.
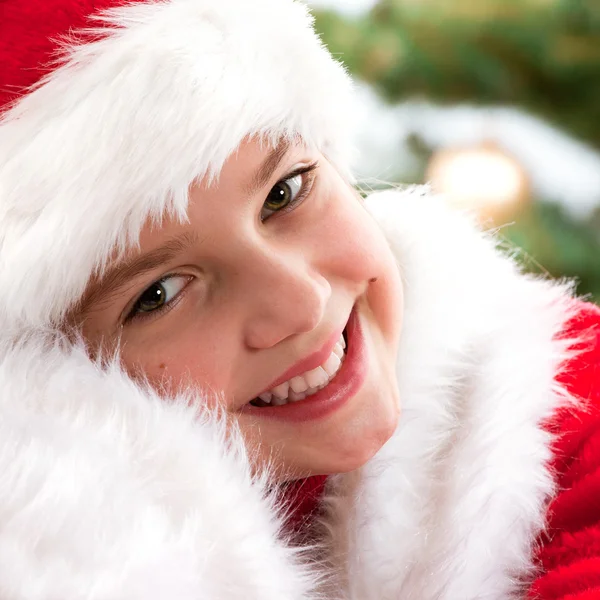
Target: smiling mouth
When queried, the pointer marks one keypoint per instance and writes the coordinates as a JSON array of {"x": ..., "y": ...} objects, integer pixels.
[{"x": 307, "y": 384}]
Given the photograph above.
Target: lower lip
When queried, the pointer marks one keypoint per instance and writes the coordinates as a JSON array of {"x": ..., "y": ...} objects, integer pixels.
[{"x": 345, "y": 384}]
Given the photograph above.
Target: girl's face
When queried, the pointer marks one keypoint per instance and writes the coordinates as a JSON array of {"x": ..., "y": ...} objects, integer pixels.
[{"x": 277, "y": 267}]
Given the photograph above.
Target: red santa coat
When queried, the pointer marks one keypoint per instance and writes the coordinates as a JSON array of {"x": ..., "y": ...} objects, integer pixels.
[{"x": 569, "y": 552}]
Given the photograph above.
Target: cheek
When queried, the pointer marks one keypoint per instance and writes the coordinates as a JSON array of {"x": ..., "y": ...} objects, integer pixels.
[
  {"x": 353, "y": 249},
  {"x": 347, "y": 239},
  {"x": 385, "y": 299},
  {"x": 181, "y": 362}
]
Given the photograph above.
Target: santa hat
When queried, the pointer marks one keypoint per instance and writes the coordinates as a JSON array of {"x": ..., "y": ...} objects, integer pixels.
[{"x": 112, "y": 108}]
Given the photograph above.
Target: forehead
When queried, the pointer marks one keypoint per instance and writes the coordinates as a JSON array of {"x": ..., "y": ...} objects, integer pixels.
[
  {"x": 245, "y": 173},
  {"x": 256, "y": 158}
]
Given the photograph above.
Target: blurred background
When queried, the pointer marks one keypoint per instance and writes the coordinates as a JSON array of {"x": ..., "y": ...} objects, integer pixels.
[{"x": 495, "y": 102}]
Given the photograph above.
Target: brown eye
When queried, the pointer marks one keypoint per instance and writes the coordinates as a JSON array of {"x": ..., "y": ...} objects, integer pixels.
[
  {"x": 282, "y": 195},
  {"x": 152, "y": 298},
  {"x": 159, "y": 294}
]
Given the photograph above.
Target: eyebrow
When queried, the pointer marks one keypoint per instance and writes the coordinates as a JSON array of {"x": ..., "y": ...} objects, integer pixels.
[
  {"x": 265, "y": 171},
  {"x": 120, "y": 274}
]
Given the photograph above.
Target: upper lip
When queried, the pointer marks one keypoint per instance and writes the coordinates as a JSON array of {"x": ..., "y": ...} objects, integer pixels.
[{"x": 310, "y": 362}]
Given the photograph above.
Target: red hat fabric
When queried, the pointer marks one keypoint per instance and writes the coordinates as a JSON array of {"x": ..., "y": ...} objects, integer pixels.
[{"x": 30, "y": 36}]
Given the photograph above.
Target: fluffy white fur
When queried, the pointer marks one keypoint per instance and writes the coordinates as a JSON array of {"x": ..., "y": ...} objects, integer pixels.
[
  {"x": 129, "y": 122},
  {"x": 108, "y": 492}
]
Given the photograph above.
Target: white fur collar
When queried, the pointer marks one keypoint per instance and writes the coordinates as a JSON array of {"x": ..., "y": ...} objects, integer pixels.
[
  {"x": 450, "y": 507},
  {"x": 108, "y": 492}
]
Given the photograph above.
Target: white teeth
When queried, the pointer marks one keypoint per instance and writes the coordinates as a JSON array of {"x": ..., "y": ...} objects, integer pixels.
[
  {"x": 316, "y": 377},
  {"x": 331, "y": 365},
  {"x": 295, "y": 396},
  {"x": 281, "y": 391},
  {"x": 298, "y": 384},
  {"x": 302, "y": 386}
]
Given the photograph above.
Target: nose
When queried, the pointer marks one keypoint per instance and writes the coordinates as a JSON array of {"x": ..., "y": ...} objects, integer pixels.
[{"x": 284, "y": 296}]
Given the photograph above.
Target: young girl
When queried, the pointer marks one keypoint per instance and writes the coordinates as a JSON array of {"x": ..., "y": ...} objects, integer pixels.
[{"x": 210, "y": 344}]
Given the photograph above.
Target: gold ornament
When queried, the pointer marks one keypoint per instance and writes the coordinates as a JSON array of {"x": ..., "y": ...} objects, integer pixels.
[{"x": 484, "y": 179}]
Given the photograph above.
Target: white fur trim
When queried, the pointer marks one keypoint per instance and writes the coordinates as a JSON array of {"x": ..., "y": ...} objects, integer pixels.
[
  {"x": 451, "y": 506},
  {"x": 108, "y": 492},
  {"x": 119, "y": 132}
]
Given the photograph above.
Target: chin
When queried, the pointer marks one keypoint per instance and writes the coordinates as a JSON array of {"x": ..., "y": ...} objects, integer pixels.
[
  {"x": 356, "y": 443},
  {"x": 359, "y": 454},
  {"x": 341, "y": 443}
]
